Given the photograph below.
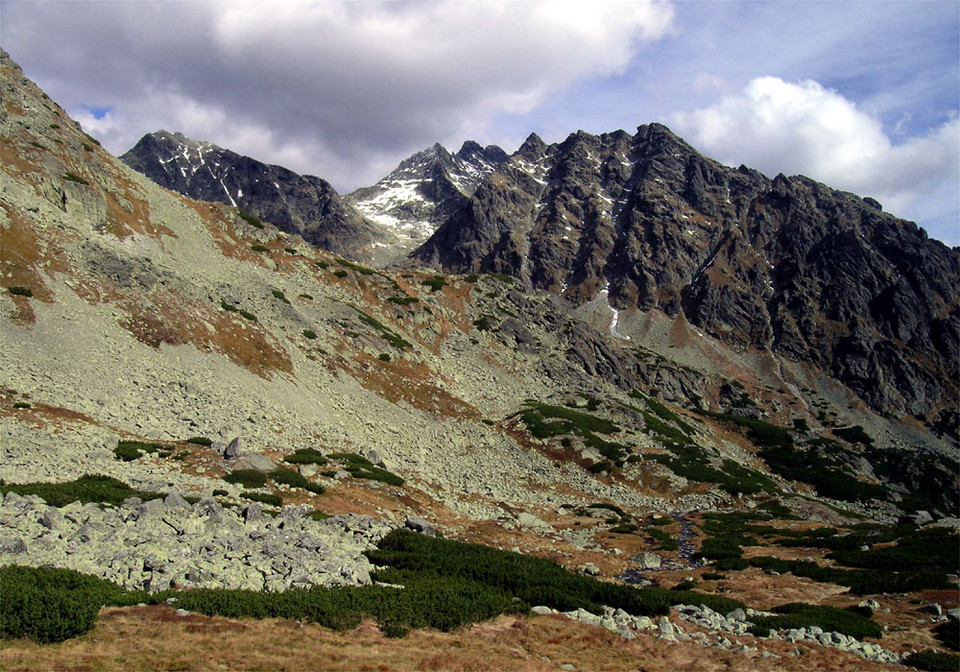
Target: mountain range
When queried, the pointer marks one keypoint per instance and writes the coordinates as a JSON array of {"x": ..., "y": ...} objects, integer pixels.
[
  {"x": 608, "y": 362},
  {"x": 786, "y": 266}
]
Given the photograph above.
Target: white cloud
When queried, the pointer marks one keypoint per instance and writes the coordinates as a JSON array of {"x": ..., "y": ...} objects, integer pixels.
[
  {"x": 804, "y": 128},
  {"x": 337, "y": 86}
]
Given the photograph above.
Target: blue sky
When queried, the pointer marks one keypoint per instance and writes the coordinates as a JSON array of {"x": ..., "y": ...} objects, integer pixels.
[{"x": 861, "y": 95}]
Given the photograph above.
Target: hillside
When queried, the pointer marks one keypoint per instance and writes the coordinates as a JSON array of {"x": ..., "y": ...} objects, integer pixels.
[{"x": 255, "y": 412}]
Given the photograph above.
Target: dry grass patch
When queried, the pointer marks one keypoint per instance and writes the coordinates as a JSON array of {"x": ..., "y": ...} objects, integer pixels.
[
  {"x": 401, "y": 380},
  {"x": 22, "y": 255}
]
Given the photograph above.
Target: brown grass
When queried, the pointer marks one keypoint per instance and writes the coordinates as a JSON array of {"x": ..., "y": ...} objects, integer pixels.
[
  {"x": 21, "y": 257},
  {"x": 154, "y": 638},
  {"x": 415, "y": 384}
]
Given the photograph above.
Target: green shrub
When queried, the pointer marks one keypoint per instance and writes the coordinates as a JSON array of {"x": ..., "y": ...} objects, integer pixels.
[
  {"x": 73, "y": 177},
  {"x": 88, "y": 488},
  {"x": 278, "y": 294},
  {"x": 948, "y": 634},
  {"x": 306, "y": 456},
  {"x": 21, "y": 404},
  {"x": 247, "y": 315},
  {"x": 933, "y": 661},
  {"x": 340, "y": 274},
  {"x": 127, "y": 453},
  {"x": 386, "y": 333},
  {"x": 220, "y": 493},
  {"x": 435, "y": 283},
  {"x": 362, "y": 270},
  {"x": 200, "y": 441},
  {"x": 854, "y": 434},
  {"x": 666, "y": 542},
  {"x": 534, "y": 581},
  {"x": 259, "y": 248},
  {"x": 264, "y": 498},
  {"x": 361, "y": 467},
  {"x": 310, "y": 334},
  {"x": 483, "y": 323},
  {"x": 304, "y": 295},
  {"x": 294, "y": 480},
  {"x": 384, "y": 357},
  {"x": 799, "y": 615},
  {"x": 403, "y": 300},
  {"x": 229, "y": 307},
  {"x": 248, "y": 478},
  {"x": 252, "y": 220},
  {"x": 625, "y": 528},
  {"x": 50, "y": 605},
  {"x": 20, "y": 291}
]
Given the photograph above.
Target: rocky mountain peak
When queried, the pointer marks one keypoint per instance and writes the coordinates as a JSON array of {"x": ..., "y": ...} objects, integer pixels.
[
  {"x": 425, "y": 189},
  {"x": 300, "y": 204},
  {"x": 787, "y": 266},
  {"x": 532, "y": 148}
]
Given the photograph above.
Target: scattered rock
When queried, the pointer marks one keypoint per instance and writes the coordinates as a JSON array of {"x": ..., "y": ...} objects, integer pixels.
[
  {"x": 255, "y": 461},
  {"x": 648, "y": 560},
  {"x": 418, "y": 524},
  {"x": 232, "y": 451}
]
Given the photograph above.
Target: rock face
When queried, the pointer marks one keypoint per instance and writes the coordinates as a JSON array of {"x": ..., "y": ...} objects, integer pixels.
[
  {"x": 300, "y": 204},
  {"x": 425, "y": 189},
  {"x": 787, "y": 265}
]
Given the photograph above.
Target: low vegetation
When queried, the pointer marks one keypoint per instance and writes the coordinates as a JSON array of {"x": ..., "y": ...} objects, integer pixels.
[
  {"x": 385, "y": 332},
  {"x": 545, "y": 421},
  {"x": 908, "y": 560},
  {"x": 830, "y": 619},
  {"x": 933, "y": 661},
  {"x": 360, "y": 467},
  {"x": 86, "y": 489},
  {"x": 129, "y": 451},
  {"x": 73, "y": 177},
  {"x": 306, "y": 456},
  {"x": 252, "y": 220},
  {"x": 293, "y": 479}
]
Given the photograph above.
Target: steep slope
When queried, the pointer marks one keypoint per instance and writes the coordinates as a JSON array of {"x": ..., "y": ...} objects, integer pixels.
[
  {"x": 785, "y": 265},
  {"x": 298, "y": 204},
  {"x": 425, "y": 189}
]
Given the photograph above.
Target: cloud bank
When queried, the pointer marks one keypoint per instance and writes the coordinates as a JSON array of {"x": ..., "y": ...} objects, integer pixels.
[
  {"x": 331, "y": 87},
  {"x": 804, "y": 128}
]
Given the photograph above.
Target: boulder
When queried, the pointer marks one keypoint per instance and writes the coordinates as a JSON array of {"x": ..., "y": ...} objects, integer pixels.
[
  {"x": 648, "y": 561},
  {"x": 232, "y": 451},
  {"x": 255, "y": 461},
  {"x": 418, "y": 524}
]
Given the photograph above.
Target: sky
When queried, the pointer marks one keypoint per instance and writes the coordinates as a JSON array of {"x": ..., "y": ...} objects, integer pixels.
[{"x": 862, "y": 95}]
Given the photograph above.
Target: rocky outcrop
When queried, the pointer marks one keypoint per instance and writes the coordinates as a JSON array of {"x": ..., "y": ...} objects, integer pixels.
[
  {"x": 169, "y": 542},
  {"x": 299, "y": 204},
  {"x": 787, "y": 265}
]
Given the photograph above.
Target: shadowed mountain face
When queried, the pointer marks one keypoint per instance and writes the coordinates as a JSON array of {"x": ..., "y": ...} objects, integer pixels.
[
  {"x": 300, "y": 204},
  {"x": 787, "y": 265}
]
